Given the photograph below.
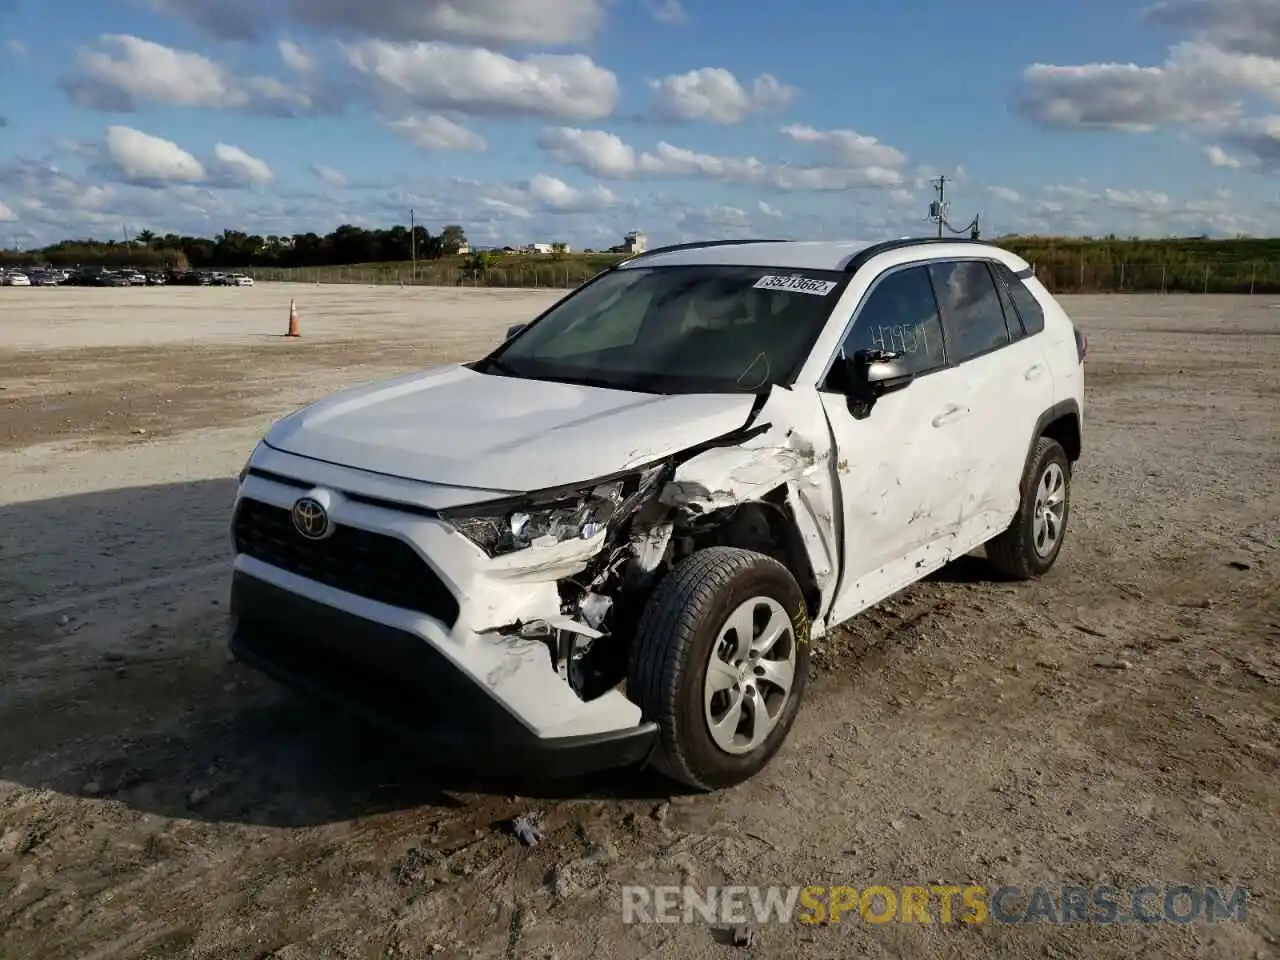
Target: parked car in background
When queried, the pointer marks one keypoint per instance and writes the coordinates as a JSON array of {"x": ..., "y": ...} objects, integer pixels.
[
  {"x": 46, "y": 278},
  {"x": 155, "y": 279},
  {"x": 15, "y": 278},
  {"x": 239, "y": 280}
]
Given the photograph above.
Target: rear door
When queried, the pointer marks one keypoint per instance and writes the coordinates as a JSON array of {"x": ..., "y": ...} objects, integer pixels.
[{"x": 1011, "y": 384}]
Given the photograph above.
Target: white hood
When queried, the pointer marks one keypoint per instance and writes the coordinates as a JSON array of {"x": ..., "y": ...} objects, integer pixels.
[{"x": 456, "y": 427}]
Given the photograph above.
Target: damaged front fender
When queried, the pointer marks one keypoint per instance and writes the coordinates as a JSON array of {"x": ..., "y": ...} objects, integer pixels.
[{"x": 794, "y": 453}]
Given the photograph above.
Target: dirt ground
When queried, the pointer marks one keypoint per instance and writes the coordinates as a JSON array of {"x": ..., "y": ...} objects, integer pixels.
[{"x": 1116, "y": 723}]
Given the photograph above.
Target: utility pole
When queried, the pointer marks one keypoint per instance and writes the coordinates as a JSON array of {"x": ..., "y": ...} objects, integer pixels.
[
  {"x": 413, "y": 249},
  {"x": 938, "y": 209}
]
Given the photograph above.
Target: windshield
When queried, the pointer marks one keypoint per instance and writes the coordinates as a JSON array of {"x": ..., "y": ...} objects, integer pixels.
[{"x": 701, "y": 329}]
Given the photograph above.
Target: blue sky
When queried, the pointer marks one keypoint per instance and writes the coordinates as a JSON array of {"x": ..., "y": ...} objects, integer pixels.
[{"x": 577, "y": 120}]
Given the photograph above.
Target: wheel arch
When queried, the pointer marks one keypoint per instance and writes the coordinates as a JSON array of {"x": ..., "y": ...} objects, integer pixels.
[
  {"x": 765, "y": 525},
  {"x": 1061, "y": 422}
]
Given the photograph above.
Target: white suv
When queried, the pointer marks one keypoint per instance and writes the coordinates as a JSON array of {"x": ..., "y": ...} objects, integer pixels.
[{"x": 612, "y": 539}]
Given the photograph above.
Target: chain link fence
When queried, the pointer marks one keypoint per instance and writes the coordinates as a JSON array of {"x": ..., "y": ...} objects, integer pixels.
[
  {"x": 1079, "y": 277},
  {"x": 1086, "y": 277}
]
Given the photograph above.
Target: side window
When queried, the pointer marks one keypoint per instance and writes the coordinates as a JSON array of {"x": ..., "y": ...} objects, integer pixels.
[
  {"x": 970, "y": 306},
  {"x": 1028, "y": 306},
  {"x": 901, "y": 315}
]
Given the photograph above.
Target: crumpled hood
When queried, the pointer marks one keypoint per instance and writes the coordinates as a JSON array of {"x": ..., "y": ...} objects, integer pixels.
[{"x": 456, "y": 427}]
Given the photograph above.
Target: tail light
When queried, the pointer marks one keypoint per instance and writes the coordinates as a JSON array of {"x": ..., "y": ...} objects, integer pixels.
[{"x": 1082, "y": 346}]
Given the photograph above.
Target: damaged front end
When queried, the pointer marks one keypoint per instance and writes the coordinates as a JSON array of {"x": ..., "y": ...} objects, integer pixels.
[{"x": 580, "y": 563}]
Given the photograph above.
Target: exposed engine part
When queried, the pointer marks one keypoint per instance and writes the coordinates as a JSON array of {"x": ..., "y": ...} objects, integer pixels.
[{"x": 595, "y": 607}]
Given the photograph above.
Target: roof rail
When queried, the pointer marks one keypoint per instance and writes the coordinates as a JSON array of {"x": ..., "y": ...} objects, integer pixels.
[
  {"x": 696, "y": 244},
  {"x": 859, "y": 259}
]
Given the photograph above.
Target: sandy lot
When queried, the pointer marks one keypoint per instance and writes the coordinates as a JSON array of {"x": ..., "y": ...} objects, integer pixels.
[{"x": 1116, "y": 723}]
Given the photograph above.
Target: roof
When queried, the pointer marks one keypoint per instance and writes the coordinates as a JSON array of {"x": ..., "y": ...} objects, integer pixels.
[{"x": 844, "y": 255}]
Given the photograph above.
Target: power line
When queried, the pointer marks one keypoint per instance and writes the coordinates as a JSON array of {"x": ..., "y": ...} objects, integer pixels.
[{"x": 939, "y": 208}]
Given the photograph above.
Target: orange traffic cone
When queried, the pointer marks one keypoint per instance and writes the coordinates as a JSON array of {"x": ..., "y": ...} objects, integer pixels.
[{"x": 295, "y": 326}]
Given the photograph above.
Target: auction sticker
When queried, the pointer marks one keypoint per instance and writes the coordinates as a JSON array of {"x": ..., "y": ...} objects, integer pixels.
[{"x": 796, "y": 284}]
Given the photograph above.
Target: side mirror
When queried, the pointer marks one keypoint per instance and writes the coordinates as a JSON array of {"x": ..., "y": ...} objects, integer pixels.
[
  {"x": 873, "y": 373},
  {"x": 513, "y": 330}
]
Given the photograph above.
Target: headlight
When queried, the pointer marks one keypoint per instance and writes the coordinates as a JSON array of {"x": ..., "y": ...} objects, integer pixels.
[
  {"x": 244, "y": 471},
  {"x": 542, "y": 521}
]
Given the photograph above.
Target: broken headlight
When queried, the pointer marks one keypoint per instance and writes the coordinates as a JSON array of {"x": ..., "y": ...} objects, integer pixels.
[{"x": 542, "y": 521}]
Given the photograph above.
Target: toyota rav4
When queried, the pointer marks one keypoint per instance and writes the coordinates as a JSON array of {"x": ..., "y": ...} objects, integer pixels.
[{"x": 612, "y": 540}]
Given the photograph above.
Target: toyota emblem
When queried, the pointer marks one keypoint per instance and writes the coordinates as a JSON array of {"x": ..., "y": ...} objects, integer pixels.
[{"x": 310, "y": 518}]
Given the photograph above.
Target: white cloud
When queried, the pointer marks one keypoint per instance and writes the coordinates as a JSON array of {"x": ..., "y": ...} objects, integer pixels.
[
  {"x": 598, "y": 152},
  {"x": 1121, "y": 96},
  {"x": 328, "y": 175},
  {"x": 240, "y": 168},
  {"x": 607, "y": 156},
  {"x": 1259, "y": 138},
  {"x": 715, "y": 95},
  {"x": 1243, "y": 26},
  {"x": 438, "y": 134},
  {"x": 847, "y": 147},
  {"x": 1220, "y": 158},
  {"x": 1005, "y": 193},
  {"x": 294, "y": 57},
  {"x": 1135, "y": 211},
  {"x": 833, "y": 179},
  {"x": 668, "y": 11},
  {"x": 126, "y": 71},
  {"x": 7, "y": 215},
  {"x": 487, "y": 22},
  {"x": 1137, "y": 199},
  {"x": 505, "y": 208},
  {"x": 17, "y": 49},
  {"x": 1232, "y": 57},
  {"x": 477, "y": 81},
  {"x": 140, "y": 157},
  {"x": 550, "y": 195}
]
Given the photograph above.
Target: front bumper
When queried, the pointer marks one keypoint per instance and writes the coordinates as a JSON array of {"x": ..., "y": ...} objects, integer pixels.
[{"x": 396, "y": 680}]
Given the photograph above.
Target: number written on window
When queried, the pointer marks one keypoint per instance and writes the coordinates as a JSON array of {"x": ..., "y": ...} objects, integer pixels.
[{"x": 900, "y": 315}]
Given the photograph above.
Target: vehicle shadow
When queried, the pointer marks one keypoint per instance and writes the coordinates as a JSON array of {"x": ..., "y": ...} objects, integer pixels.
[
  {"x": 127, "y": 692},
  {"x": 970, "y": 568}
]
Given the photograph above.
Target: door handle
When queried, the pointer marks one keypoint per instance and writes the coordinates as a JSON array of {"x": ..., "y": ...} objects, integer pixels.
[
  {"x": 1034, "y": 372},
  {"x": 949, "y": 415}
]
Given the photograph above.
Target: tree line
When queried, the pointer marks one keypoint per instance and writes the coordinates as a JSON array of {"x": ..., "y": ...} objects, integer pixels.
[{"x": 235, "y": 248}]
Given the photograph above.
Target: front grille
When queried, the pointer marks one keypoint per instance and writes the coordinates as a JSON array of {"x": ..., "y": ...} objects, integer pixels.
[{"x": 371, "y": 565}]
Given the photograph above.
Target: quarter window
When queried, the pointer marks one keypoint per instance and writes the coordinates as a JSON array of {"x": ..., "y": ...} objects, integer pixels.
[
  {"x": 1029, "y": 308},
  {"x": 900, "y": 315},
  {"x": 1010, "y": 311},
  {"x": 970, "y": 307}
]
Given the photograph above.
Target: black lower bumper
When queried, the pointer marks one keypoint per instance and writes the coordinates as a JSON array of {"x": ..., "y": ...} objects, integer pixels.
[{"x": 404, "y": 685}]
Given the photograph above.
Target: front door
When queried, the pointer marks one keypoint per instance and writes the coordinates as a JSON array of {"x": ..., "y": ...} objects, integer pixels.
[{"x": 903, "y": 470}]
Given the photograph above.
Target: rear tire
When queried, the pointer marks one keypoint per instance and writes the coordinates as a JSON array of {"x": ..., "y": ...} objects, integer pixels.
[
  {"x": 720, "y": 661},
  {"x": 1032, "y": 542}
]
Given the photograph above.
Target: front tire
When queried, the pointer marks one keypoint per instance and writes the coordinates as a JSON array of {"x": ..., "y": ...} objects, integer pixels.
[
  {"x": 720, "y": 661},
  {"x": 1031, "y": 544}
]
